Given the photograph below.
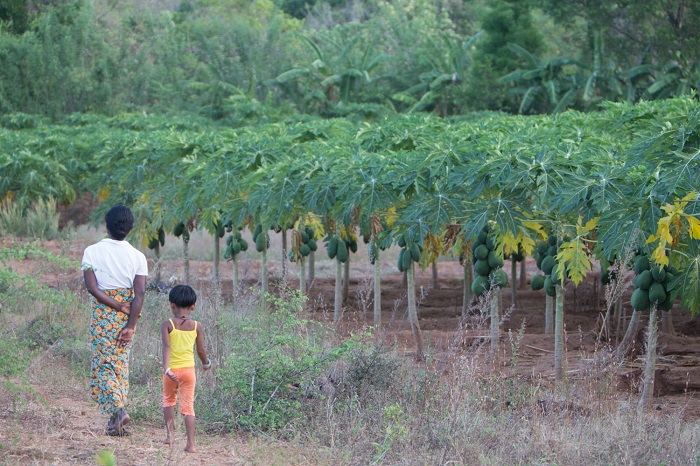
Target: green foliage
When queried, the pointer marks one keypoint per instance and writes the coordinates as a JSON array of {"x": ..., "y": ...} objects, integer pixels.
[
  {"x": 15, "y": 355},
  {"x": 16, "y": 14},
  {"x": 272, "y": 369},
  {"x": 39, "y": 221}
]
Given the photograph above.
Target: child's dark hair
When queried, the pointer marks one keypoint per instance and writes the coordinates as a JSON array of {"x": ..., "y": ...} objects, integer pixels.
[
  {"x": 119, "y": 221},
  {"x": 182, "y": 296}
]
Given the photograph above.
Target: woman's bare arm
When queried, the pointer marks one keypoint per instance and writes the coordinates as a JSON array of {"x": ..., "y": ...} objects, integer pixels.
[{"x": 101, "y": 296}]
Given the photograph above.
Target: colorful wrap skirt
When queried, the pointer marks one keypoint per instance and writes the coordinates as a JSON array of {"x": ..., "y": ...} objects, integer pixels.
[{"x": 109, "y": 368}]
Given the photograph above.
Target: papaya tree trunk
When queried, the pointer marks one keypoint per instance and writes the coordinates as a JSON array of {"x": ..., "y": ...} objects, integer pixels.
[
  {"x": 649, "y": 364},
  {"x": 284, "y": 255},
  {"x": 413, "y": 314},
  {"x": 559, "y": 335},
  {"x": 186, "y": 259},
  {"x": 495, "y": 319},
  {"x": 467, "y": 294},
  {"x": 234, "y": 281},
  {"x": 217, "y": 249},
  {"x": 377, "y": 289},
  {"x": 523, "y": 274},
  {"x": 548, "y": 314},
  {"x": 157, "y": 265},
  {"x": 667, "y": 322},
  {"x": 346, "y": 279},
  {"x": 436, "y": 284},
  {"x": 626, "y": 345},
  {"x": 513, "y": 281},
  {"x": 312, "y": 269},
  {"x": 338, "y": 296},
  {"x": 263, "y": 275},
  {"x": 302, "y": 276}
]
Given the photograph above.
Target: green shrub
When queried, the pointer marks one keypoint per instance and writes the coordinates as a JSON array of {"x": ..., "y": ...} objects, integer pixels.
[
  {"x": 38, "y": 221},
  {"x": 15, "y": 355},
  {"x": 274, "y": 364}
]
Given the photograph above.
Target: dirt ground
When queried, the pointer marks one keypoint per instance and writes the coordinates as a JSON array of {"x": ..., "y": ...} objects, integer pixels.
[{"x": 72, "y": 432}]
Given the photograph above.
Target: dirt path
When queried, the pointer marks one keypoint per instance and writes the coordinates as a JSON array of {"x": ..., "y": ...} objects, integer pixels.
[{"x": 60, "y": 425}]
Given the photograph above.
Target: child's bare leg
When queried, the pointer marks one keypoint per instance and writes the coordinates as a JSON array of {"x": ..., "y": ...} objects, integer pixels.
[
  {"x": 189, "y": 427},
  {"x": 169, "y": 415}
]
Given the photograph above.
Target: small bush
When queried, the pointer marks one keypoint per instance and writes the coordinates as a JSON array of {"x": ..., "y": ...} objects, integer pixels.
[
  {"x": 39, "y": 221},
  {"x": 15, "y": 355},
  {"x": 274, "y": 364}
]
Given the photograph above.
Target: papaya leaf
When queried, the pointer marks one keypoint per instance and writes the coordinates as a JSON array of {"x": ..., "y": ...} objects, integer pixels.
[
  {"x": 574, "y": 255},
  {"x": 690, "y": 288}
]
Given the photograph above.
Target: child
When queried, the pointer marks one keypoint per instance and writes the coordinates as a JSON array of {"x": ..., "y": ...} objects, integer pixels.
[{"x": 179, "y": 337}]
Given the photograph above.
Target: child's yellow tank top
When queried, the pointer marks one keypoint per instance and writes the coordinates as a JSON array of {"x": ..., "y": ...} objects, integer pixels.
[{"x": 181, "y": 347}]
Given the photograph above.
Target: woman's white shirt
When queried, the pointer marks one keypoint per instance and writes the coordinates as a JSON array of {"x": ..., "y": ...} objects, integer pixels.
[{"x": 115, "y": 263}]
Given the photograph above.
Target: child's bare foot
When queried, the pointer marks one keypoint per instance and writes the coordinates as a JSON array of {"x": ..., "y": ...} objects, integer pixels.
[
  {"x": 190, "y": 449},
  {"x": 168, "y": 440}
]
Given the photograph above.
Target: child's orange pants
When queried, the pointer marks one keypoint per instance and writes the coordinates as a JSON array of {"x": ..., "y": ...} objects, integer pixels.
[{"x": 186, "y": 385}]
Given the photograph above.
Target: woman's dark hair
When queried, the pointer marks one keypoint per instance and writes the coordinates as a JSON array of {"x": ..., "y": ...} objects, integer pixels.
[
  {"x": 119, "y": 221},
  {"x": 182, "y": 296}
]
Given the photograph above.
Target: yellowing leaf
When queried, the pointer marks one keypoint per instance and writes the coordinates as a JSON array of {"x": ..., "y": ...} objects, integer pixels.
[
  {"x": 391, "y": 216},
  {"x": 659, "y": 256},
  {"x": 527, "y": 244},
  {"x": 537, "y": 228},
  {"x": 510, "y": 243},
  {"x": 103, "y": 194},
  {"x": 694, "y": 227},
  {"x": 573, "y": 259},
  {"x": 582, "y": 230}
]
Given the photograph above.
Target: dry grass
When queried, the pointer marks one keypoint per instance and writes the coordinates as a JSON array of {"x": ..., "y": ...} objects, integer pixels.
[{"x": 380, "y": 408}]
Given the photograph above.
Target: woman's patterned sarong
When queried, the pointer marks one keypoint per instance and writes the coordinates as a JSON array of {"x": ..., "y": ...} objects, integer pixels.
[{"x": 110, "y": 362}]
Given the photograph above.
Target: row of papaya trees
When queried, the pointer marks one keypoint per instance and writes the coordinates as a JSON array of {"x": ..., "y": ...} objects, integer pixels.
[{"x": 601, "y": 184}]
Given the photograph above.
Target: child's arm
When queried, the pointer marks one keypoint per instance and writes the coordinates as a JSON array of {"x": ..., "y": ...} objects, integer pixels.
[
  {"x": 165, "y": 330},
  {"x": 201, "y": 351}
]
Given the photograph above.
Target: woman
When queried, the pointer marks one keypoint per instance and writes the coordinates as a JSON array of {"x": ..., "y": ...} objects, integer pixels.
[{"x": 115, "y": 275}]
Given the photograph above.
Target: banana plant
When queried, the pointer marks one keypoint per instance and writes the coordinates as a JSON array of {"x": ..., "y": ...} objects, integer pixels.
[{"x": 336, "y": 64}]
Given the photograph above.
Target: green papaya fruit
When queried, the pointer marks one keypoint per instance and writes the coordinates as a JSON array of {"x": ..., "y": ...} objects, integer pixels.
[
  {"x": 549, "y": 286},
  {"x": 537, "y": 282},
  {"x": 482, "y": 268},
  {"x": 332, "y": 247},
  {"x": 480, "y": 285},
  {"x": 342, "y": 251},
  {"x": 659, "y": 273},
  {"x": 481, "y": 252},
  {"x": 657, "y": 293},
  {"x": 640, "y": 300},
  {"x": 499, "y": 278},
  {"x": 260, "y": 242},
  {"x": 179, "y": 228},
  {"x": 399, "y": 263},
  {"x": 644, "y": 280},
  {"x": 415, "y": 252},
  {"x": 495, "y": 260},
  {"x": 407, "y": 259},
  {"x": 641, "y": 264}
]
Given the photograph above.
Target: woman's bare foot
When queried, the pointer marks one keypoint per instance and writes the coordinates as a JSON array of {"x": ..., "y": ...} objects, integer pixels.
[{"x": 190, "y": 449}]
